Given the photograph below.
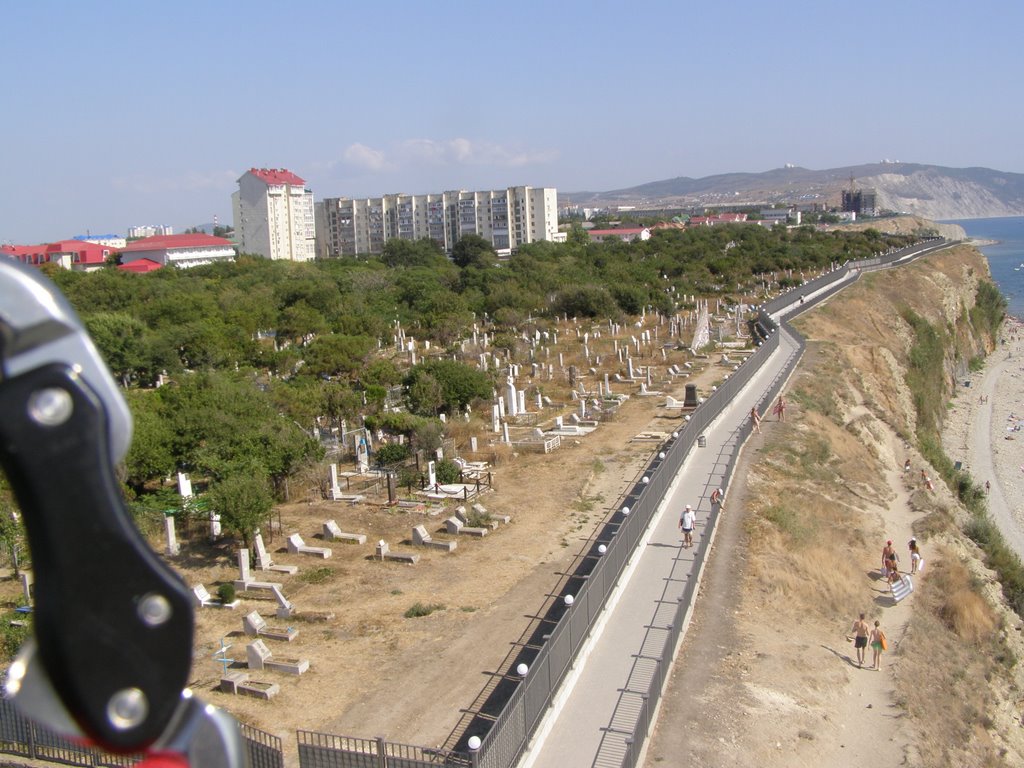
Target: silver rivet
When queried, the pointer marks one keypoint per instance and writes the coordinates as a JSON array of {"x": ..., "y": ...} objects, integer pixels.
[
  {"x": 154, "y": 610},
  {"x": 127, "y": 708},
  {"x": 50, "y": 407}
]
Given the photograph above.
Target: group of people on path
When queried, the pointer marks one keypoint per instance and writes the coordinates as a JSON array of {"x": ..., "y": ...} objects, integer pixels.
[
  {"x": 688, "y": 518},
  {"x": 779, "y": 409},
  {"x": 863, "y": 636}
]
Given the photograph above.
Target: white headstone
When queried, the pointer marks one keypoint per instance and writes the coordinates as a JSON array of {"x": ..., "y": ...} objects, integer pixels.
[
  {"x": 472, "y": 444},
  {"x": 184, "y": 486},
  {"x": 243, "y": 565},
  {"x": 511, "y": 398},
  {"x": 172, "y": 540},
  {"x": 431, "y": 474}
]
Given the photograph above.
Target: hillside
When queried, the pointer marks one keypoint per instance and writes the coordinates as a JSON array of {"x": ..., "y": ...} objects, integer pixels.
[
  {"x": 931, "y": 191},
  {"x": 768, "y": 677}
]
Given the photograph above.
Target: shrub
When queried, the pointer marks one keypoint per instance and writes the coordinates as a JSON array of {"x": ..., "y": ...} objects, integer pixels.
[
  {"x": 226, "y": 592},
  {"x": 317, "y": 575},
  {"x": 447, "y": 471},
  {"x": 391, "y": 453},
  {"x": 12, "y": 636},
  {"x": 419, "y": 609}
]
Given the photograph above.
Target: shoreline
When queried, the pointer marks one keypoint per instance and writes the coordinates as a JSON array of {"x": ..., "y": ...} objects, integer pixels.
[{"x": 985, "y": 431}]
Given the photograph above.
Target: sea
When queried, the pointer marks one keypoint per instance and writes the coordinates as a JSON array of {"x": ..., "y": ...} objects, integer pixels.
[{"x": 1005, "y": 256}]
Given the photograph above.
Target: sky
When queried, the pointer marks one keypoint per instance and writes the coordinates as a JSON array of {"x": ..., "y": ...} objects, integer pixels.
[{"x": 115, "y": 114}]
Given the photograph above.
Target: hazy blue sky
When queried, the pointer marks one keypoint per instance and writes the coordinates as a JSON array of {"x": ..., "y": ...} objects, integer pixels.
[{"x": 117, "y": 114}]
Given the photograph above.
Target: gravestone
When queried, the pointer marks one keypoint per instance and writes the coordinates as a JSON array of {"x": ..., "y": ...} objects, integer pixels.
[
  {"x": 264, "y": 561},
  {"x": 690, "y": 398},
  {"x": 431, "y": 474},
  {"x": 172, "y": 540},
  {"x": 27, "y": 581},
  {"x": 243, "y": 566},
  {"x": 184, "y": 486},
  {"x": 420, "y": 535},
  {"x": 335, "y": 490}
]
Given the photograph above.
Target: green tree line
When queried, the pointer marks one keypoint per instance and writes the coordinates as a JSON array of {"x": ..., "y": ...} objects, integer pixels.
[{"x": 254, "y": 354}]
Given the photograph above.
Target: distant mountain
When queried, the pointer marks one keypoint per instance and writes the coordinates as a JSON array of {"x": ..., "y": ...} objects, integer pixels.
[{"x": 930, "y": 191}]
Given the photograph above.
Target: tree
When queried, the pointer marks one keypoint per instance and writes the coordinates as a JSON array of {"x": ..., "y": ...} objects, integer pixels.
[
  {"x": 150, "y": 454},
  {"x": 424, "y": 393},
  {"x": 243, "y": 501},
  {"x": 458, "y": 385},
  {"x": 473, "y": 250},
  {"x": 119, "y": 338},
  {"x": 412, "y": 253}
]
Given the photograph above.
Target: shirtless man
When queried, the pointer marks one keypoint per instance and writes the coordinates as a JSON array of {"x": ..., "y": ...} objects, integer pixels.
[
  {"x": 717, "y": 497},
  {"x": 860, "y": 638}
]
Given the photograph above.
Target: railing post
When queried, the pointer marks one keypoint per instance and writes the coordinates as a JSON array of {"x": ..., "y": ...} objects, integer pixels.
[{"x": 382, "y": 758}]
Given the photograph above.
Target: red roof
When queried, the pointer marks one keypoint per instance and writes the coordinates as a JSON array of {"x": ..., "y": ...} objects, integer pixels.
[
  {"x": 140, "y": 265},
  {"x": 82, "y": 252},
  {"x": 170, "y": 242},
  {"x": 276, "y": 176}
]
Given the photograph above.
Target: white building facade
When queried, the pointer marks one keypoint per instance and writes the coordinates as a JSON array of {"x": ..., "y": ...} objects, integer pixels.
[
  {"x": 148, "y": 230},
  {"x": 507, "y": 218},
  {"x": 273, "y": 215},
  {"x": 182, "y": 251}
]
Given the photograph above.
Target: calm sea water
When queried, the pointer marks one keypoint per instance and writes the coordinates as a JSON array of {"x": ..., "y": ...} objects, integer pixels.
[{"x": 1006, "y": 258}]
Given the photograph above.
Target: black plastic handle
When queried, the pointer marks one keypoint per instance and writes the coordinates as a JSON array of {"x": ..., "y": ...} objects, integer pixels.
[{"x": 113, "y": 622}]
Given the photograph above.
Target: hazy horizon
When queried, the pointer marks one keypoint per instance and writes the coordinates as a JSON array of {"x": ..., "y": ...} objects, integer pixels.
[{"x": 125, "y": 114}]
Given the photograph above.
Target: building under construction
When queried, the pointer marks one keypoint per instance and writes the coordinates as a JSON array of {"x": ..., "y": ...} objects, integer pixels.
[{"x": 859, "y": 201}]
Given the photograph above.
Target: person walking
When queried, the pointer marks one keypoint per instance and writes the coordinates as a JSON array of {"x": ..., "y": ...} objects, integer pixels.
[
  {"x": 915, "y": 556},
  {"x": 755, "y": 419},
  {"x": 686, "y": 522},
  {"x": 780, "y": 408},
  {"x": 878, "y": 643},
  {"x": 888, "y": 552},
  {"x": 860, "y": 632},
  {"x": 718, "y": 499}
]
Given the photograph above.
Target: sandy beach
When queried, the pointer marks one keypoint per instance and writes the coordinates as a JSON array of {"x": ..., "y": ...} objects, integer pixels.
[{"x": 985, "y": 431}]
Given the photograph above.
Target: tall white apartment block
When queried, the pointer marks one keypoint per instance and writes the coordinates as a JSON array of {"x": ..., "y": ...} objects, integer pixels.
[
  {"x": 148, "y": 230},
  {"x": 273, "y": 213},
  {"x": 506, "y": 218}
]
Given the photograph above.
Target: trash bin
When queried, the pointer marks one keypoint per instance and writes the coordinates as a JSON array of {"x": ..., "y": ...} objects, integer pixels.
[
  {"x": 702, "y": 442},
  {"x": 957, "y": 465}
]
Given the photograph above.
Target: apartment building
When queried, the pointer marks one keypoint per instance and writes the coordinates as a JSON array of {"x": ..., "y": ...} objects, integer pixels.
[
  {"x": 148, "y": 230},
  {"x": 506, "y": 218},
  {"x": 273, "y": 215}
]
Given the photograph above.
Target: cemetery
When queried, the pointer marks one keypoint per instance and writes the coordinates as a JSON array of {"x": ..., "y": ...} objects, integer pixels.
[{"x": 579, "y": 409}]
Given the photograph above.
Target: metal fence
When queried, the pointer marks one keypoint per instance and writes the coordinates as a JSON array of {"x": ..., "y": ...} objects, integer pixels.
[{"x": 21, "y": 736}]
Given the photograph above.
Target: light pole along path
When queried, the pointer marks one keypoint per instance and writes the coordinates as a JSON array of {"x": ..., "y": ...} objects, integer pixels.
[{"x": 596, "y": 710}]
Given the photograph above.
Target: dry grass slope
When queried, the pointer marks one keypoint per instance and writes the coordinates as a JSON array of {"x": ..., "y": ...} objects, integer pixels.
[{"x": 818, "y": 494}]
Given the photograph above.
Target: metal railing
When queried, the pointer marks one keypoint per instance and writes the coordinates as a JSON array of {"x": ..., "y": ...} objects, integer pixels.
[{"x": 23, "y": 737}]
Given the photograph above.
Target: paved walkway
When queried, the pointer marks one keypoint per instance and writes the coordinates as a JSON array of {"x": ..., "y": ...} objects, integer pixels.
[{"x": 598, "y": 707}]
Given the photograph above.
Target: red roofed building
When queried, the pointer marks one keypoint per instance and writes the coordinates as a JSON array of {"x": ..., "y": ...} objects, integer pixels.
[
  {"x": 78, "y": 255},
  {"x": 140, "y": 265},
  {"x": 182, "y": 251},
  {"x": 273, "y": 213}
]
